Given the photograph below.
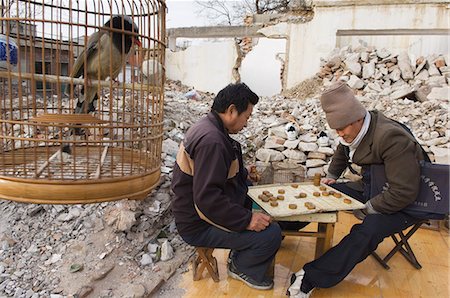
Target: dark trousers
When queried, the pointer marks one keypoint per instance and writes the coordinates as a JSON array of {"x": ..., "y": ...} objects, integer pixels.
[
  {"x": 332, "y": 267},
  {"x": 253, "y": 252}
]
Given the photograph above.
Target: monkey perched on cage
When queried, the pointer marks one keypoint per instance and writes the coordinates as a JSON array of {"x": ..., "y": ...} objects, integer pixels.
[{"x": 103, "y": 57}]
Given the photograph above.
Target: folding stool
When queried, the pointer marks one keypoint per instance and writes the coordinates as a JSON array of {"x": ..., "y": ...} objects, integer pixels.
[
  {"x": 432, "y": 201},
  {"x": 204, "y": 259},
  {"x": 402, "y": 245}
]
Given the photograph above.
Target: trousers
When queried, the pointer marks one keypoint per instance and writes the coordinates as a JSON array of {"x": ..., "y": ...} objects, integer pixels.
[
  {"x": 253, "y": 252},
  {"x": 364, "y": 238}
]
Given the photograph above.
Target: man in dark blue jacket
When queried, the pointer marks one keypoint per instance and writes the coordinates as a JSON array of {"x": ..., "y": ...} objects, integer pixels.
[{"x": 211, "y": 206}]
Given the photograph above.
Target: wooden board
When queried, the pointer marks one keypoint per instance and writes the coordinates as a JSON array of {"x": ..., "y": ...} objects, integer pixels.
[{"x": 322, "y": 203}]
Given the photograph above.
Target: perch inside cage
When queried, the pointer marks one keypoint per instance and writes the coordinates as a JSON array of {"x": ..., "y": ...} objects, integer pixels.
[{"x": 81, "y": 100}]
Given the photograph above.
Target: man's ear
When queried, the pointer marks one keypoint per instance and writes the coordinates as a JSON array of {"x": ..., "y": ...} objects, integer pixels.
[{"x": 231, "y": 109}]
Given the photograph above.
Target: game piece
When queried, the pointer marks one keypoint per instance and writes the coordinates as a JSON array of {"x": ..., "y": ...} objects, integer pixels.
[
  {"x": 274, "y": 204},
  {"x": 310, "y": 205},
  {"x": 265, "y": 199},
  {"x": 281, "y": 191},
  {"x": 325, "y": 193},
  {"x": 316, "y": 194},
  {"x": 316, "y": 180},
  {"x": 292, "y": 206},
  {"x": 281, "y": 198},
  {"x": 337, "y": 195},
  {"x": 294, "y": 185},
  {"x": 266, "y": 192},
  {"x": 322, "y": 188},
  {"x": 302, "y": 195},
  {"x": 347, "y": 201},
  {"x": 272, "y": 198}
]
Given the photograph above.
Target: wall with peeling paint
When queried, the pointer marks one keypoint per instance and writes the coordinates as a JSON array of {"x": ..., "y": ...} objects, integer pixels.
[
  {"x": 309, "y": 42},
  {"x": 206, "y": 67},
  {"x": 260, "y": 69}
]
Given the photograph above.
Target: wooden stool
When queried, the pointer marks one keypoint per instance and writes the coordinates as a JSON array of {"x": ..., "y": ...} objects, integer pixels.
[
  {"x": 204, "y": 259},
  {"x": 402, "y": 246},
  {"x": 325, "y": 229}
]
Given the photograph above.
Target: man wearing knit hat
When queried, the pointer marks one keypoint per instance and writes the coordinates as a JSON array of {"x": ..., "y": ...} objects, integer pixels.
[{"x": 365, "y": 138}]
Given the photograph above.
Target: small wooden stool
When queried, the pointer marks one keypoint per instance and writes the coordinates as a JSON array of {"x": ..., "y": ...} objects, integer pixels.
[{"x": 204, "y": 259}]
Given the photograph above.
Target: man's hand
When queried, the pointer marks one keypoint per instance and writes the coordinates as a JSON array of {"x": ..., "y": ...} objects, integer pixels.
[
  {"x": 362, "y": 213},
  {"x": 259, "y": 222},
  {"x": 328, "y": 181},
  {"x": 253, "y": 174}
]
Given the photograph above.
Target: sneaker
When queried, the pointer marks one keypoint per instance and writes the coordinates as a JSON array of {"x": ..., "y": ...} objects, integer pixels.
[
  {"x": 234, "y": 273},
  {"x": 296, "y": 284},
  {"x": 230, "y": 257}
]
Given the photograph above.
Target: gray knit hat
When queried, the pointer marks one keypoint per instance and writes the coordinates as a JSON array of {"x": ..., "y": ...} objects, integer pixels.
[{"x": 341, "y": 106}]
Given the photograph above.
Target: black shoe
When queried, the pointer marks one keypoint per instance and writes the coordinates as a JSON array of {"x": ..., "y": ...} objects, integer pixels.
[{"x": 234, "y": 273}]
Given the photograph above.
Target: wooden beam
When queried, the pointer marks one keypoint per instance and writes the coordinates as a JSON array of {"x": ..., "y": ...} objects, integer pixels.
[
  {"x": 366, "y": 32},
  {"x": 216, "y": 31}
]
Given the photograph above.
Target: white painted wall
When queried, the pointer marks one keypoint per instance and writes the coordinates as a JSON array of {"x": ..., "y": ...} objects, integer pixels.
[
  {"x": 260, "y": 69},
  {"x": 206, "y": 67},
  {"x": 310, "y": 41}
]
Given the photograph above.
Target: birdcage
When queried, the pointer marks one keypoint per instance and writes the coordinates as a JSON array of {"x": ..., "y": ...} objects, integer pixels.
[{"x": 81, "y": 99}]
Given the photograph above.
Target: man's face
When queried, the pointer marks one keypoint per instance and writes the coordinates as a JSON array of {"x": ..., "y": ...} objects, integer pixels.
[
  {"x": 349, "y": 132},
  {"x": 236, "y": 122}
]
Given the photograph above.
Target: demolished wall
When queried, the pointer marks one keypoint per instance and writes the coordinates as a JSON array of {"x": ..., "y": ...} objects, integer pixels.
[
  {"x": 207, "y": 67},
  {"x": 310, "y": 41}
]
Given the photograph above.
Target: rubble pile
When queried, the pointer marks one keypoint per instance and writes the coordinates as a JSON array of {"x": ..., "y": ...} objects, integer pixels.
[
  {"x": 378, "y": 72},
  {"x": 112, "y": 249},
  {"x": 383, "y": 81}
]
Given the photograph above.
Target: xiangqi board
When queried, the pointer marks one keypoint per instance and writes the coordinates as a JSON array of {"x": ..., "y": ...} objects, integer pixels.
[{"x": 300, "y": 198}]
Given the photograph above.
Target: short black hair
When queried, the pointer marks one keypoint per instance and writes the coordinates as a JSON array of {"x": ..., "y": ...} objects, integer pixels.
[{"x": 238, "y": 94}]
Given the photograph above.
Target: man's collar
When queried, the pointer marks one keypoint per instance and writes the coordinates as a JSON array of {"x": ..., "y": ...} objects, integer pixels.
[{"x": 215, "y": 118}]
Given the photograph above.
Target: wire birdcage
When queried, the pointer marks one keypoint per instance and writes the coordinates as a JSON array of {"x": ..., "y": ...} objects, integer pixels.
[{"x": 81, "y": 99}]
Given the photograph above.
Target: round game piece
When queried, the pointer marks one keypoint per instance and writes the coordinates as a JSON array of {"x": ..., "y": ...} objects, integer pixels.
[
  {"x": 281, "y": 191},
  {"x": 266, "y": 192},
  {"x": 274, "y": 204},
  {"x": 292, "y": 206},
  {"x": 337, "y": 195},
  {"x": 294, "y": 185},
  {"x": 302, "y": 195},
  {"x": 281, "y": 198},
  {"x": 322, "y": 188},
  {"x": 325, "y": 193},
  {"x": 331, "y": 192},
  {"x": 316, "y": 194},
  {"x": 261, "y": 197},
  {"x": 310, "y": 205},
  {"x": 272, "y": 198},
  {"x": 347, "y": 201},
  {"x": 265, "y": 199}
]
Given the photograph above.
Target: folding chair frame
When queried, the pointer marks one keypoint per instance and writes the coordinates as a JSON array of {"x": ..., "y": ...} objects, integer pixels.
[
  {"x": 402, "y": 245},
  {"x": 205, "y": 259}
]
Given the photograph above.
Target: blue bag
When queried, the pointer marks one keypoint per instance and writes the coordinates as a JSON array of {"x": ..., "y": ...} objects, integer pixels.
[{"x": 434, "y": 187}]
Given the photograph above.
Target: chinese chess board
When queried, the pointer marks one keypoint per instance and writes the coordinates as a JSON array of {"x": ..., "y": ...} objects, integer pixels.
[{"x": 289, "y": 199}]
